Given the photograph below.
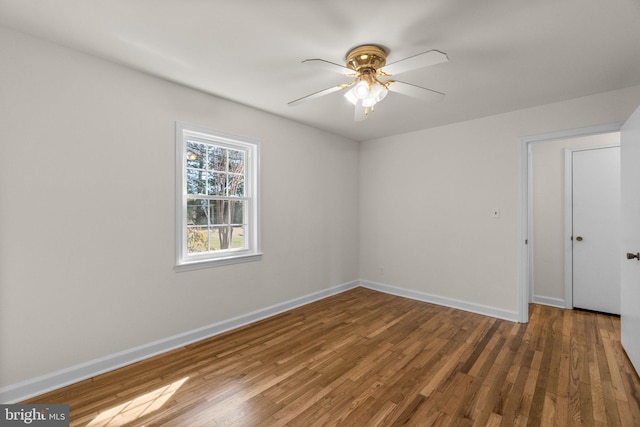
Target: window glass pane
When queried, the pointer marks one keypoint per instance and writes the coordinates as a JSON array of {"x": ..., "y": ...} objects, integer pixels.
[
  {"x": 237, "y": 212},
  {"x": 217, "y": 184},
  {"x": 219, "y": 237},
  {"x": 217, "y": 158},
  {"x": 197, "y": 240},
  {"x": 219, "y": 211},
  {"x": 237, "y": 241},
  {"x": 236, "y": 161},
  {"x": 236, "y": 185},
  {"x": 196, "y": 181},
  {"x": 196, "y": 155},
  {"x": 197, "y": 212}
]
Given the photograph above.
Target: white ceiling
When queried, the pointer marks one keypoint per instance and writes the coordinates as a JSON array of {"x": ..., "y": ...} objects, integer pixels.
[{"x": 504, "y": 55}]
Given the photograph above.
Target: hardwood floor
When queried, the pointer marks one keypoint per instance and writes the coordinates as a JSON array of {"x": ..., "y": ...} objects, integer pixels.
[{"x": 368, "y": 358}]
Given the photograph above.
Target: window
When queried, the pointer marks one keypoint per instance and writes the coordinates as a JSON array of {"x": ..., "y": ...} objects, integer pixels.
[{"x": 217, "y": 198}]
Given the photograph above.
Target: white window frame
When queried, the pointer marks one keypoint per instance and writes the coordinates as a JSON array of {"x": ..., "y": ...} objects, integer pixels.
[{"x": 252, "y": 252}]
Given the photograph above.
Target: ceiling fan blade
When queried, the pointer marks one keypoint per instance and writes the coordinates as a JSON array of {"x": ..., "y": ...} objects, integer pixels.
[
  {"x": 331, "y": 66},
  {"x": 360, "y": 112},
  {"x": 414, "y": 91},
  {"x": 424, "y": 59},
  {"x": 315, "y": 95}
]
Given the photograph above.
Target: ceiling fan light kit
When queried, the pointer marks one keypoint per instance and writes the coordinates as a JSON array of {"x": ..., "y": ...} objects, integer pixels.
[
  {"x": 365, "y": 64},
  {"x": 368, "y": 93}
]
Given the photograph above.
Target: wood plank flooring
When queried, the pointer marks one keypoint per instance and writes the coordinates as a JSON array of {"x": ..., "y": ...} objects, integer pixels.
[{"x": 368, "y": 358}]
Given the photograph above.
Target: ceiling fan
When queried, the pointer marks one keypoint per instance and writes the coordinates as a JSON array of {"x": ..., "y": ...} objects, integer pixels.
[{"x": 366, "y": 65}]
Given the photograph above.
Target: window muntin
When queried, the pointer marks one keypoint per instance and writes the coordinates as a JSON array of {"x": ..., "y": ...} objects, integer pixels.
[{"x": 218, "y": 207}]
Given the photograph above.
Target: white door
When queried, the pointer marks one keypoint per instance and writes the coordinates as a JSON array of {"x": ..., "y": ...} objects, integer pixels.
[
  {"x": 630, "y": 216},
  {"x": 596, "y": 229}
]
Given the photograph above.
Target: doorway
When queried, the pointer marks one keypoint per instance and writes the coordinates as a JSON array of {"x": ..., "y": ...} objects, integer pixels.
[{"x": 546, "y": 285}]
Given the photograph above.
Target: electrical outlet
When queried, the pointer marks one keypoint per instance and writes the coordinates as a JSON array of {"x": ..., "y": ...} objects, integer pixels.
[{"x": 382, "y": 271}]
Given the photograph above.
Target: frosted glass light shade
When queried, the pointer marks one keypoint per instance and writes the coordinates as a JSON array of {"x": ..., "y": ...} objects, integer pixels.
[
  {"x": 361, "y": 89},
  {"x": 351, "y": 97},
  {"x": 368, "y": 95}
]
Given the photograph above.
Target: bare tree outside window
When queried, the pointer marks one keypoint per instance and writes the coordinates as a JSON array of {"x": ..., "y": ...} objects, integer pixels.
[
  {"x": 217, "y": 198},
  {"x": 216, "y": 205}
]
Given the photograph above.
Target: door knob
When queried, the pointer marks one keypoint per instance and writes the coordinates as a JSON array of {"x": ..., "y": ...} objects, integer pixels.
[
  {"x": 579, "y": 238},
  {"x": 632, "y": 256}
]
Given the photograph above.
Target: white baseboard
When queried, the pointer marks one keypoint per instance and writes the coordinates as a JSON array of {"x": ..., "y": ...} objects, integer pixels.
[
  {"x": 511, "y": 316},
  {"x": 553, "y": 302},
  {"x": 63, "y": 377}
]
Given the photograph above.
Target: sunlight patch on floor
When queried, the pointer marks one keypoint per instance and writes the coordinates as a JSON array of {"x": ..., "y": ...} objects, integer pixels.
[{"x": 136, "y": 408}]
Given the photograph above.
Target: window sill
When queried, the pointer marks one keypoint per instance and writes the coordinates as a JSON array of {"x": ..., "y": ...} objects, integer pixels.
[{"x": 209, "y": 263}]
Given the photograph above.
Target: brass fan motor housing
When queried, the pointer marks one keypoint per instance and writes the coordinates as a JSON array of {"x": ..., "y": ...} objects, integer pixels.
[{"x": 367, "y": 56}]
